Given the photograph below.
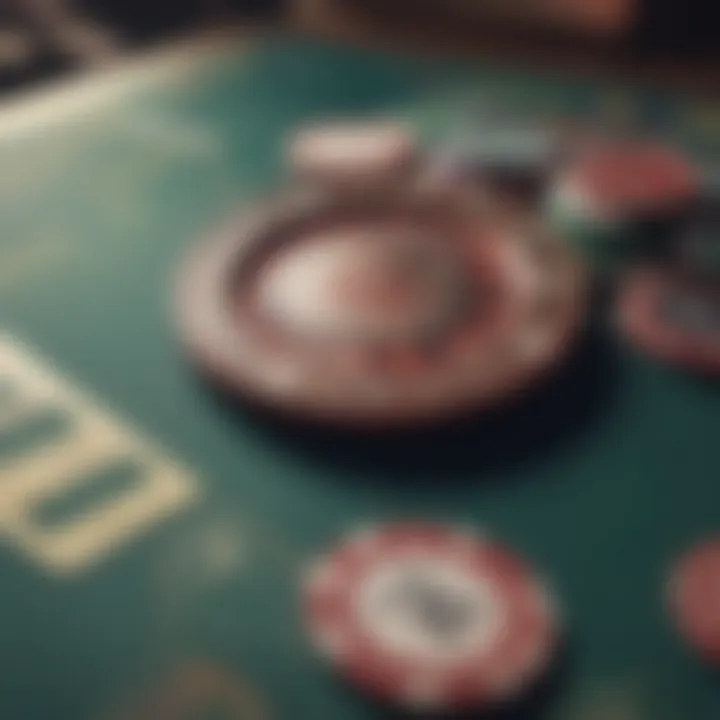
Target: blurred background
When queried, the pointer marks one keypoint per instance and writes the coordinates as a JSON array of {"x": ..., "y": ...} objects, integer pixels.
[{"x": 40, "y": 39}]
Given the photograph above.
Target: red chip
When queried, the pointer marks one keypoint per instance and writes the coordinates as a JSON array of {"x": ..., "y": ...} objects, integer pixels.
[
  {"x": 636, "y": 179},
  {"x": 431, "y": 618},
  {"x": 672, "y": 319},
  {"x": 695, "y": 598}
]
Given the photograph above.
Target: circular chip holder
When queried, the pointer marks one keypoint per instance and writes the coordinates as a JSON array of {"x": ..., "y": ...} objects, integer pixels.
[
  {"x": 673, "y": 318},
  {"x": 694, "y": 599},
  {"x": 431, "y": 618},
  {"x": 391, "y": 309}
]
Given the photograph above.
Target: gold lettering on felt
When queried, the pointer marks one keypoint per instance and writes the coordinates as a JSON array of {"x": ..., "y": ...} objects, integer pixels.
[{"x": 96, "y": 440}]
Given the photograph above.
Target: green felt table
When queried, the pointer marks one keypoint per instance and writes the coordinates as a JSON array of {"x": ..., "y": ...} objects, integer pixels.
[{"x": 153, "y": 535}]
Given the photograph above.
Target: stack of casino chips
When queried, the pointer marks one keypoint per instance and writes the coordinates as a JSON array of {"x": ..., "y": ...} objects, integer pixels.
[
  {"x": 623, "y": 199},
  {"x": 671, "y": 308}
]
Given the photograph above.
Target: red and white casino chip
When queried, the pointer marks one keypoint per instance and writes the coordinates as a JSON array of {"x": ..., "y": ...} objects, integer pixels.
[
  {"x": 671, "y": 318},
  {"x": 695, "y": 598},
  {"x": 431, "y": 618},
  {"x": 628, "y": 180}
]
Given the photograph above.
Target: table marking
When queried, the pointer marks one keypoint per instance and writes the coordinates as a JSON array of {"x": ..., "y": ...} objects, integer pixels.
[{"x": 97, "y": 441}]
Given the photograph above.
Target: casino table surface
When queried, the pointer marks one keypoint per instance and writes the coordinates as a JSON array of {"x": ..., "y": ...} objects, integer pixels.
[{"x": 154, "y": 533}]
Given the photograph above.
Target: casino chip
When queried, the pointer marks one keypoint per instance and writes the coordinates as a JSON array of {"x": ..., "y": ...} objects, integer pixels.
[
  {"x": 621, "y": 196},
  {"x": 364, "y": 154},
  {"x": 431, "y": 618},
  {"x": 673, "y": 317},
  {"x": 386, "y": 309},
  {"x": 694, "y": 598}
]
